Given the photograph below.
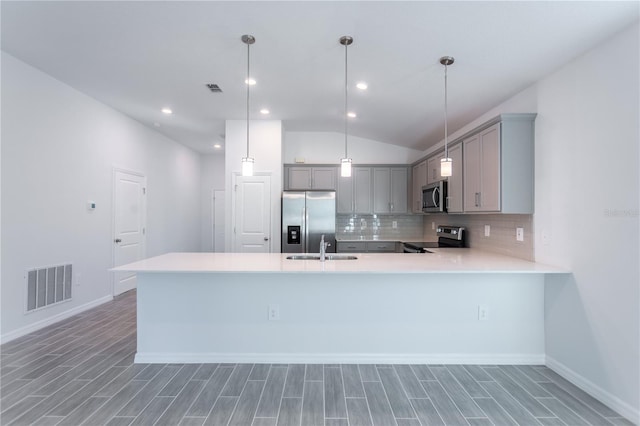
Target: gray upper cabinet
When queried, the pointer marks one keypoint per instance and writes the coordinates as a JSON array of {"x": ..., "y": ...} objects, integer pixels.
[
  {"x": 418, "y": 180},
  {"x": 455, "y": 181},
  {"x": 433, "y": 168},
  {"x": 310, "y": 177},
  {"x": 498, "y": 166},
  {"x": 354, "y": 194},
  {"x": 390, "y": 190}
]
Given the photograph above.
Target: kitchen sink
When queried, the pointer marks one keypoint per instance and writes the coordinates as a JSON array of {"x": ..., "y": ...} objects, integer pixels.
[{"x": 317, "y": 257}]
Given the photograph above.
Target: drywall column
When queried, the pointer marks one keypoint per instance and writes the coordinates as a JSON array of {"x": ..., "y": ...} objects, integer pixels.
[{"x": 266, "y": 148}]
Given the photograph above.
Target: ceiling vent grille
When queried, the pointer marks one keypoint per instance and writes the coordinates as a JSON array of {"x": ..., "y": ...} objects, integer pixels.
[{"x": 214, "y": 88}]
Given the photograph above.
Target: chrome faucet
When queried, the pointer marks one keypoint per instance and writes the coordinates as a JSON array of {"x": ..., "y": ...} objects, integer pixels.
[{"x": 323, "y": 249}]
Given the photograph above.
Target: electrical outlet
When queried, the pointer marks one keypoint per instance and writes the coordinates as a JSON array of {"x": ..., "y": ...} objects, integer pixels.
[
  {"x": 274, "y": 313},
  {"x": 483, "y": 312},
  {"x": 394, "y": 224},
  {"x": 487, "y": 230},
  {"x": 520, "y": 234}
]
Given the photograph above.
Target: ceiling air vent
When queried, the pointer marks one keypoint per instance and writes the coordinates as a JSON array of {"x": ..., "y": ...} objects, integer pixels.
[{"x": 214, "y": 88}]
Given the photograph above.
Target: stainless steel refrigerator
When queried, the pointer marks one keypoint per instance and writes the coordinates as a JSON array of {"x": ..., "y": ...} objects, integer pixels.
[{"x": 306, "y": 216}]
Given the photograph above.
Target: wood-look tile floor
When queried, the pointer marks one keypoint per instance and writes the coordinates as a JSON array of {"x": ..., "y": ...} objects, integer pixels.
[{"x": 81, "y": 371}]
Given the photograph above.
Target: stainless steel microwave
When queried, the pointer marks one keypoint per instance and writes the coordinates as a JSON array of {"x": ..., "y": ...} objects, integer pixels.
[{"x": 434, "y": 197}]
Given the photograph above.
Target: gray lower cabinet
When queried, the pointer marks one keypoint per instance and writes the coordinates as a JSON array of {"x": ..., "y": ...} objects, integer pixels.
[{"x": 366, "y": 246}]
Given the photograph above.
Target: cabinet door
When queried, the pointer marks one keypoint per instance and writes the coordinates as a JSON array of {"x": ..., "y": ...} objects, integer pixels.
[
  {"x": 398, "y": 192},
  {"x": 454, "y": 199},
  {"x": 299, "y": 177},
  {"x": 381, "y": 190},
  {"x": 433, "y": 169},
  {"x": 471, "y": 173},
  {"x": 344, "y": 195},
  {"x": 419, "y": 179},
  {"x": 362, "y": 202},
  {"x": 323, "y": 178},
  {"x": 490, "y": 169}
]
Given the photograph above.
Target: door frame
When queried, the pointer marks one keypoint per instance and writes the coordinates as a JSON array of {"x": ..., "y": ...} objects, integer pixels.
[{"x": 114, "y": 171}]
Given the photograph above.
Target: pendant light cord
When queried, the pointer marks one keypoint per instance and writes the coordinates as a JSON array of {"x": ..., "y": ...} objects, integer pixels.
[
  {"x": 446, "y": 130},
  {"x": 346, "y": 107},
  {"x": 248, "y": 85}
]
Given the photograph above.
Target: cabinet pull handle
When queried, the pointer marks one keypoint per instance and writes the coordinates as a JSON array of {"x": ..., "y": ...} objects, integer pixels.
[
  {"x": 476, "y": 198},
  {"x": 479, "y": 199}
]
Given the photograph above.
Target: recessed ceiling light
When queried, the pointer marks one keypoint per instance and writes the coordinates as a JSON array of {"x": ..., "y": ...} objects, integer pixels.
[
  {"x": 217, "y": 146},
  {"x": 167, "y": 111},
  {"x": 351, "y": 114},
  {"x": 250, "y": 82},
  {"x": 362, "y": 85},
  {"x": 264, "y": 111}
]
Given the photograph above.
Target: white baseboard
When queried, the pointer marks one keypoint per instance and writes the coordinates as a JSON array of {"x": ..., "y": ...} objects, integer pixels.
[
  {"x": 607, "y": 398},
  {"x": 12, "y": 335},
  {"x": 339, "y": 358}
]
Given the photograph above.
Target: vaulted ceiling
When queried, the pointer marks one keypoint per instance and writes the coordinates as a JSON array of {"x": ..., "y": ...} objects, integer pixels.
[{"x": 139, "y": 57}]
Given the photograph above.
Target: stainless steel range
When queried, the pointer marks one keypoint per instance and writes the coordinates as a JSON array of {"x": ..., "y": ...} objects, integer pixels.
[{"x": 448, "y": 236}]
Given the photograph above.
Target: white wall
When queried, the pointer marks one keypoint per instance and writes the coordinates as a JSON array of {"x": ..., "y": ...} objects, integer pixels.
[
  {"x": 59, "y": 149},
  {"x": 212, "y": 169},
  {"x": 266, "y": 148},
  {"x": 587, "y": 200},
  {"x": 328, "y": 148}
]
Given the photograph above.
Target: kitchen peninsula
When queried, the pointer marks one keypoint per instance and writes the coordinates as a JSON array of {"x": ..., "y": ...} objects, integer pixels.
[{"x": 450, "y": 306}]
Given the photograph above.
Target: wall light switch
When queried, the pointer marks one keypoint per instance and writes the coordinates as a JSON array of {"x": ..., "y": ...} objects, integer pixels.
[
  {"x": 433, "y": 225},
  {"x": 487, "y": 230},
  {"x": 394, "y": 224},
  {"x": 520, "y": 234}
]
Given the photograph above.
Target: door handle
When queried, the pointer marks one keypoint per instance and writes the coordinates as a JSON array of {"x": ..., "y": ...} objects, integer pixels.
[
  {"x": 266, "y": 238},
  {"x": 117, "y": 240}
]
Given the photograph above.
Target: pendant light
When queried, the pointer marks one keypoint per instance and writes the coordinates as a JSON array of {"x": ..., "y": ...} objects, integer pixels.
[
  {"x": 446, "y": 164},
  {"x": 345, "y": 163},
  {"x": 247, "y": 162}
]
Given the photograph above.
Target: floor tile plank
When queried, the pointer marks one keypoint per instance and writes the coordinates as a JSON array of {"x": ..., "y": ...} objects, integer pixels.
[
  {"x": 222, "y": 411},
  {"x": 247, "y": 403},
  {"x": 237, "y": 380},
  {"x": 334, "y": 402},
  {"x": 151, "y": 390},
  {"x": 352, "y": 381},
  {"x": 410, "y": 382},
  {"x": 270, "y": 401},
  {"x": 290, "y": 412},
  {"x": 313, "y": 404},
  {"x": 358, "y": 412},
  {"x": 379, "y": 406},
  {"x": 426, "y": 412},
  {"x": 400, "y": 405},
  {"x": 518, "y": 393},
  {"x": 179, "y": 406},
  {"x": 212, "y": 389},
  {"x": 445, "y": 406},
  {"x": 294, "y": 385}
]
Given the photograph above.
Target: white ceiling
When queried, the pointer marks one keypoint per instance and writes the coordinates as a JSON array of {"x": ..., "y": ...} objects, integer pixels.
[{"x": 139, "y": 57}]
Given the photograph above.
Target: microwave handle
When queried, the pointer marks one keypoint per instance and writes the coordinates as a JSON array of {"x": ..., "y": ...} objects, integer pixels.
[{"x": 433, "y": 197}]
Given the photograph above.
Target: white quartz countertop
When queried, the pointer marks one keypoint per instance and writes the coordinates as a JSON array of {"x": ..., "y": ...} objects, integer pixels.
[{"x": 442, "y": 260}]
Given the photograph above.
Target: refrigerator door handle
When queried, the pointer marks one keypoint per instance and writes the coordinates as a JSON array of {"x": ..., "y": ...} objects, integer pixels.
[{"x": 305, "y": 226}]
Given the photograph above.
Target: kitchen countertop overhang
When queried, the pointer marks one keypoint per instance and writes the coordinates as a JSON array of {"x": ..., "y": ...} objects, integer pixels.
[{"x": 442, "y": 260}]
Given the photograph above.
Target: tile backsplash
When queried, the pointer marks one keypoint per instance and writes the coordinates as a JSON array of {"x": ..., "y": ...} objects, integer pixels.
[
  {"x": 502, "y": 237},
  {"x": 378, "y": 227}
]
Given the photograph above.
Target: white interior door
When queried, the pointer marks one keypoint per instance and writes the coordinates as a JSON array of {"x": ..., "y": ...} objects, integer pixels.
[
  {"x": 129, "y": 221},
  {"x": 252, "y": 214}
]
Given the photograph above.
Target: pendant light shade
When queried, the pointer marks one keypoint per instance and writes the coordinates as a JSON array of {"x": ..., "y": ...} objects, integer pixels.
[
  {"x": 247, "y": 162},
  {"x": 345, "y": 163},
  {"x": 446, "y": 164}
]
